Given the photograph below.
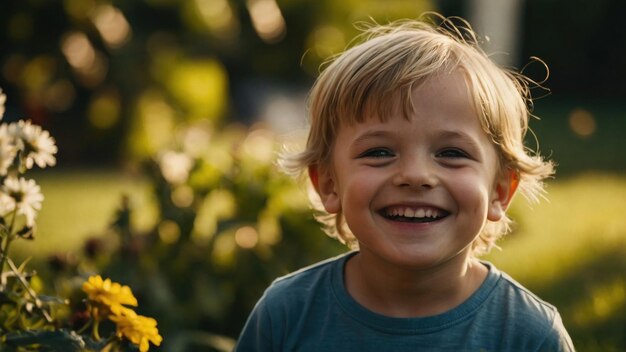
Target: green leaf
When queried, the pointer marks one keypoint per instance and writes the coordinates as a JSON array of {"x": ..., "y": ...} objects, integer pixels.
[
  {"x": 9, "y": 314},
  {"x": 56, "y": 340},
  {"x": 52, "y": 299}
]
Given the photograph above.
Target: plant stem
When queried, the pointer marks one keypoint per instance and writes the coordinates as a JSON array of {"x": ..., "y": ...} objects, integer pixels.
[
  {"x": 5, "y": 253},
  {"x": 10, "y": 236},
  {"x": 95, "y": 329},
  {"x": 84, "y": 328},
  {"x": 29, "y": 290},
  {"x": 5, "y": 250}
]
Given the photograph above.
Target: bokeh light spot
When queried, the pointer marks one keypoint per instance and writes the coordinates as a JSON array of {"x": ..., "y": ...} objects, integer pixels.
[
  {"x": 182, "y": 196},
  {"x": 175, "y": 166},
  {"x": 104, "y": 109},
  {"x": 169, "y": 231},
  {"x": 112, "y": 25},
  {"x": 582, "y": 122},
  {"x": 259, "y": 146},
  {"x": 201, "y": 87},
  {"x": 152, "y": 125},
  {"x": 246, "y": 237},
  {"x": 224, "y": 250},
  {"x": 217, "y": 205},
  {"x": 37, "y": 73},
  {"x": 267, "y": 20},
  {"x": 216, "y": 16},
  {"x": 89, "y": 64},
  {"x": 269, "y": 229},
  {"x": 78, "y": 50}
]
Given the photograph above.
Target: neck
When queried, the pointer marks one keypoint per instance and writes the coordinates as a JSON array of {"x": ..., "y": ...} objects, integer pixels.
[{"x": 405, "y": 292}]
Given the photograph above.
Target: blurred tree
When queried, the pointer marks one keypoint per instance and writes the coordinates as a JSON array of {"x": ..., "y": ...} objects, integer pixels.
[{"x": 100, "y": 73}]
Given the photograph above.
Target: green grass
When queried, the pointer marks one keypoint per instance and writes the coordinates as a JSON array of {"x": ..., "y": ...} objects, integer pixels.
[
  {"x": 580, "y": 218},
  {"x": 79, "y": 205}
]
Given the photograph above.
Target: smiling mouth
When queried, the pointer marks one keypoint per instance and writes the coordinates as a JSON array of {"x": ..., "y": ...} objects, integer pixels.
[{"x": 414, "y": 214}]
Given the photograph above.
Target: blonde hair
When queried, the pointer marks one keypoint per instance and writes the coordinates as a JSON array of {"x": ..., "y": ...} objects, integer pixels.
[{"x": 373, "y": 77}]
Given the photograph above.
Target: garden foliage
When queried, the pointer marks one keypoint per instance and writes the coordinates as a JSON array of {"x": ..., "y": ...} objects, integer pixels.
[
  {"x": 29, "y": 319},
  {"x": 229, "y": 222}
]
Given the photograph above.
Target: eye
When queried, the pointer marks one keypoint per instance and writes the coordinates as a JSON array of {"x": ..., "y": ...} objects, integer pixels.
[
  {"x": 452, "y": 153},
  {"x": 377, "y": 153}
]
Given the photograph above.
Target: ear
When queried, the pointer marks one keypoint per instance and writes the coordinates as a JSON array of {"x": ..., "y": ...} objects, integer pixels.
[
  {"x": 324, "y": 184},
  {"x": 501, "y": 198}
]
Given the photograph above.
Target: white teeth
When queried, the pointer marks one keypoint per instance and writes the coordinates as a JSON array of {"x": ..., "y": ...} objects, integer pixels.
[{"x": 408, "y": 212}]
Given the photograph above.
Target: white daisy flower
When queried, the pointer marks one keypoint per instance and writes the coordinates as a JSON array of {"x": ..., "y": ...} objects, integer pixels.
[
  {"x": 7, "y": 150},
  {"x": 37, "y": 146},
  {"x": 23, "y": 195},
  {"x": 3, "y": 99}
]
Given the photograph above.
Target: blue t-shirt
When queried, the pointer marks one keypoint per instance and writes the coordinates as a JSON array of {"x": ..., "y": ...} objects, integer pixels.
[{"x": 311, "y": 310}]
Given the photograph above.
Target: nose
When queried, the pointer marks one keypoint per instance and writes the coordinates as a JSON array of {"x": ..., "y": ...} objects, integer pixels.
[{"x": 416, "y": 173}]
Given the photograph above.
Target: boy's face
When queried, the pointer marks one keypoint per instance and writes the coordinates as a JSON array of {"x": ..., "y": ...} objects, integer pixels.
[{"x": 417, "y": 192}]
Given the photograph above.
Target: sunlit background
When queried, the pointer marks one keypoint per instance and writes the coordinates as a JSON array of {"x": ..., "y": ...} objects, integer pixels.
[{"x": 168, "y": 115}]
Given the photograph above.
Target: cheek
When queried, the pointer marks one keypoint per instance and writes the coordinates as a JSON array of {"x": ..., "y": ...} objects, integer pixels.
[
  {"x": 472, "y": 192},
  {"x": 358, "y": 189},
  {"x": 354, "y": 188}
]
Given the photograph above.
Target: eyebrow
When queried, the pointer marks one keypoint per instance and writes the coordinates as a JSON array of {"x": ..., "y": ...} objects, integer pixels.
[
  {"x": 452, "y": 134},
  {"x": 446, "y": 134},
  {"x": 371, "y": 135}
]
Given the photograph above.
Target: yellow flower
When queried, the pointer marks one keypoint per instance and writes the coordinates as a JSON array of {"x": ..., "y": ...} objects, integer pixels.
[
  {"x": 109, "y": 294},
  {"x": 138, "y": 329}
]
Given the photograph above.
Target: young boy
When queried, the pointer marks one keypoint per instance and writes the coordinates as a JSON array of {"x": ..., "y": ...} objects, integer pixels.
[{"x": 415, "y": 150}]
